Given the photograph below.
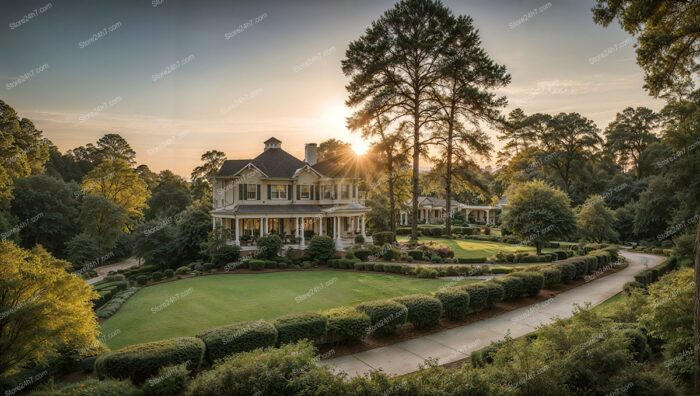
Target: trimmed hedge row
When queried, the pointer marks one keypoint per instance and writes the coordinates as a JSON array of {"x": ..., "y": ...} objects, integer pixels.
[
  {"x": 651, "y": 275},
  {"x": 298, "y": 326},
  {"x": 423, "y": 311},
  {"x": 455, "y": 302},
  {"x": 141, "y": 361},
  {"x": 385, "y": 316},
  {"x": 238, "y": 337},
  {"x": 346, "y": 324}
]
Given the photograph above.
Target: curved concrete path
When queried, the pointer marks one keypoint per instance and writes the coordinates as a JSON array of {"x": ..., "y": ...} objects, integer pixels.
[
  {"x": 456, "y": 344},
  {"x": 104, "y": 270}
]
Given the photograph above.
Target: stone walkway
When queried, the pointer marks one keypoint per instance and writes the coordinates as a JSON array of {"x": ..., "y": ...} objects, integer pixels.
[
  {"x": 456, "y": 344},
  {"x": 104, "y": 270}
]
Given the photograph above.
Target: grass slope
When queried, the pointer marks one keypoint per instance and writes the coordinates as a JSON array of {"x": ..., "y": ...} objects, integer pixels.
[{"x": 210, "y": 301}]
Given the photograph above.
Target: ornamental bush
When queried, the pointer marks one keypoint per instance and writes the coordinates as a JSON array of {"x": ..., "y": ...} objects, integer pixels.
[
  {"x": 182, "y": 270},
  {"x": 227, "y": 254},
  {"x": 552, "y": 277},
  {"x": 478, "y": 296},
  {"x": 362, "y": 254},
  {"x": 170, "y": 380},
  {"x": 383, "y": 237},
  {"x": 238, "y": 337},
  {"x": 394, "y": 268},
  {"x": 269, "y": 246},
  {"x": 321, "y": 248},
  {"x": 256, "y": 265},
  {"x": 299, "y": 326},
  {"x": 91, "y": 387},
  {"x": 513, "y": 285},
  {"x": 455, "y": 302},
  {"x": 168, "y": 273},
  {"x": 581, "y": 267},
  {"x": 141, "y": 361},
  {"x": 568, "y": 271},
  {"x": 532, "y": 282},
  {"x": 346, "y": 324},
  {"x": 415, "y": 254},
  {"x": 423, "y": 311},
  {"x": 385, "y": 315},
  {"x": 496, "y": 293}
]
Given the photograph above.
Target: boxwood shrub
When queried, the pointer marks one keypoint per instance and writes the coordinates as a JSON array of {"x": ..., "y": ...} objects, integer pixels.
[
  {"x": 380, "y": 238},
  {"x": 455, "y": 302},
  {"x": 238, "y": 337},
  {"x": 141, "y": 361},
  {"x": 581, "y": 267},
  {"x": 568, "y": 271},
  {"x": 423, "y": 311},
  {"x": 385, "y": 315},
  {"x": 299, "y": 326},
  {"x": 256, "y": 265},
  {"x": 532, "y": 282},
  {"x": 393, "y": 268},
  {"x": 363, "y": 254},
  {"x": 415, "y": 254},
  {"x": 378, "y": 267},
  {"x": 90, "y": 386},
  {"x": 169, "y": 381},
  {"x": 346, "y": 324},
  {"x": 496, "y": 293},
  {"x": 513, "y": 285},
  {"x": 552, "y": 277},
  {"x": 478, "y": 296}
]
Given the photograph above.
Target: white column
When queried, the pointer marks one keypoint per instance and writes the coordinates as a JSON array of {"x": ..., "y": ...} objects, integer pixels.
[
  {"x": 238, "y": 234},
  {"x": 302, "y": 231},
  {"x": 261, "y": 226},
  {"x": 352, "y": 225},
  {"x": 337, "y": 227},
  {"x": 488, "y": 221},
  {"x": 362, "y": 225},
  {"x": 320, "y": 226},
  {"x": 296, "y": 227}
]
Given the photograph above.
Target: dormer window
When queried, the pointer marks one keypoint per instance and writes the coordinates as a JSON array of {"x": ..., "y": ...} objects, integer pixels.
[{"x": 304, "y": 191}]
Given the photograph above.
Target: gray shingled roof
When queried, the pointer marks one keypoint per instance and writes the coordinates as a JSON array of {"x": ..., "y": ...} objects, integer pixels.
[{"x": 274, "y": 162}]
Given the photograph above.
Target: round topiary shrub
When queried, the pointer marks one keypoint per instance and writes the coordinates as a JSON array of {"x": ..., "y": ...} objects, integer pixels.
[
  {"x": 552, "y": 277},
  {"x": 141, "y": 361},
  {"x": 581, "y": 265},
  {"x": 182, "y": 270},
  {"x": 513, "y": 286},
  {"x": 362, "y": 254},
  {"x": 385, "y": 316},
  {"x": 321, "y": 248},
  {"x": 207, "y": 267},
  {"x": 568, "y": 271},
  {"x": 496, "y": 293},
  {"x": 383, "y": 237},
  {"x": 269, "y": 246},
  {"x": 415, "y": 254},
  {"x": 299, "y": 326},
  {"x": 142, "y": 279},
  {"x": 423, "y": 311},
  {"x": 478, "y": 296},
  {"x": 256, "y": 265},
  {"x": 359, "y": 239},
  {"x": 227, "y": 254},
  {"x": 156, "y": 276},
  {"x": 238, "y": 337},
  {"x": 455, "y": 302},
  {"x": 346, "y": 325},
  {"x": 532, "y": 282}
]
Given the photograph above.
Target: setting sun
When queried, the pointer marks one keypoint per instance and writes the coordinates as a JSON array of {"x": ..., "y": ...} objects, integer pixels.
[{"x": 360, "y": 147}]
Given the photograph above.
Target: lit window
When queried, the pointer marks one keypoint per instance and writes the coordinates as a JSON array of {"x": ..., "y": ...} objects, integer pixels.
[
  {"x": 279, "y": 191},
  {"x": 345, "y": 191},
  {"x": 252, "y": 191},
  {"x": 305, "y": 191}
]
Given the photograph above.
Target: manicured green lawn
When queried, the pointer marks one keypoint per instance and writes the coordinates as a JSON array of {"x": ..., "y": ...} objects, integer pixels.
[
  {"x": 188, "y": 306},
  {"x": 467, "y": 248}
]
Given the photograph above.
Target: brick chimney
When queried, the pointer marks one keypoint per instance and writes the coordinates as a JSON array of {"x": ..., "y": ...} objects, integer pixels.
[{"x": 310, "y": 153}]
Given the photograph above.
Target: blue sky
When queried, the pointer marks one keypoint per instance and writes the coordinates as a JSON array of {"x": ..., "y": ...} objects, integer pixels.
[{"x": 177, "y": 78}]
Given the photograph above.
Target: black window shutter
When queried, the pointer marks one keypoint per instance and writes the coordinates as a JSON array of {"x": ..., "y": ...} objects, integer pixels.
[
  {"x": 354, "y": 191},
  {"x": 298, "y": 192},
  {"x": 289, "y": 192},
  {"x": 269, "y": 191},
  {"x": 258, "y": 192},
  {"x": 318, "y": 192},
  {"x": 335, "y": 191},
  {"x": 240, "y": 192}
]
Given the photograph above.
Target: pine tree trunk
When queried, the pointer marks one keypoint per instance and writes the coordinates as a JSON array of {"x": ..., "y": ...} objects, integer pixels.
[
  {"x": 392, "y": 201},
  {"x": 448, "y": 183},
  {"x": 416, "y": 158},
  {"x": 696, "y": 314}
]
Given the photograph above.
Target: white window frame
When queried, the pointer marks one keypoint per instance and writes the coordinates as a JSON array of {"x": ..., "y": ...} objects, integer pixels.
[
  {"x": 327, "y": 191},
  {"x": 279, "y": 192},
  {"x": 344, "y": 191},
  {"x": 252, "y": 189},
  {"x": 302, "y": 194}
]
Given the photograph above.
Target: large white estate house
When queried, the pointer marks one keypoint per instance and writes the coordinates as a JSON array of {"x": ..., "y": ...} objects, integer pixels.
[
  {"x": 433, "y": 210},
  {"x": 277, "y": 193}
]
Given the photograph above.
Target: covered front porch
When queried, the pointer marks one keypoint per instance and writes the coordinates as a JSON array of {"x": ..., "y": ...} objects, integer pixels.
[{"x": 295, "y": 229}]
